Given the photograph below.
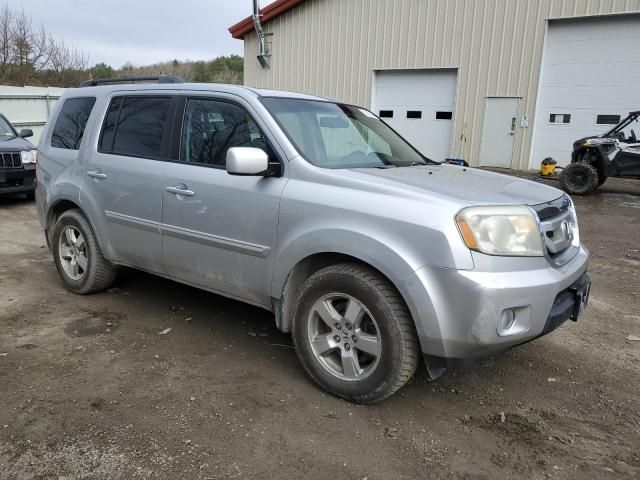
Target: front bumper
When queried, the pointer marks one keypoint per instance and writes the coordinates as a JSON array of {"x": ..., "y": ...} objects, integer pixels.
[
  {"x": 462, "y": 323},
  {"x": 17, "y": 181}
]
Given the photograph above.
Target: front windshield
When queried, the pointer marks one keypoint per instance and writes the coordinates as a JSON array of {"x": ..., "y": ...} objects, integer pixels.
[
  {"x": 332, "y": 135},
  {"x": 6, "y": 130}
]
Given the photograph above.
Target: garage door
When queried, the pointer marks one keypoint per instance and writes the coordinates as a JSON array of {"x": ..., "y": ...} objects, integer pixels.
[
  {"x": 590, "y": 79},
  {"x": 419, "y": 104}
]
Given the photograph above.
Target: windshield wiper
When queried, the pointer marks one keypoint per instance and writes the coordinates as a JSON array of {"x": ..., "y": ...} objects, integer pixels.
[{"x": 418, "y": 164}]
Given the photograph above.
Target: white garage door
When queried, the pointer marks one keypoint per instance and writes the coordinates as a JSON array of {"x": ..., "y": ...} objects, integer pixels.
[
  {"x": 419, "y": 104},
  {"x": 590, "y": 79}
]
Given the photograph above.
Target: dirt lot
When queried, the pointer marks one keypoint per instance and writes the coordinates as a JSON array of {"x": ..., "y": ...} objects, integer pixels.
[{"x": 89, "y": 389}]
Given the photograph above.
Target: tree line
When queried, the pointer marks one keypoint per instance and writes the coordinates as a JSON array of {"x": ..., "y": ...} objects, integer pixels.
[
  {"x": 32, "y": 56},
  {"x": 224, "y": 69}
]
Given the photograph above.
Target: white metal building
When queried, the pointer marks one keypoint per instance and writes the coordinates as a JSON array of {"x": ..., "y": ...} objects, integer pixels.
[
  {"x": 498, "y": 82},
  {"x": 28, "y": 107}
]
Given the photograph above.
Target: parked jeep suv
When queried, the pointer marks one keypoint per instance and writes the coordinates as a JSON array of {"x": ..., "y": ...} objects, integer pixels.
[
  {"x": 17, "y": 160},
  {"x": 372, "y": 255}
]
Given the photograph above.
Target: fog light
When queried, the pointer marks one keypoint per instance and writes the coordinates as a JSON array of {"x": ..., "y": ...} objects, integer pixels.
[
  {"x": 507, "y": 317},
  {"x": 514, "y": 321}
]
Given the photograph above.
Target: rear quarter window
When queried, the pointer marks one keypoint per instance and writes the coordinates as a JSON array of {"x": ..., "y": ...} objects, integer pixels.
[{"x": 71, "y": 122}]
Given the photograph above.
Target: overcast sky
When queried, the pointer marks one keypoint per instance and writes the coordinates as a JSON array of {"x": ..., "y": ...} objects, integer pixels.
[{"x": 141, "y": 31}]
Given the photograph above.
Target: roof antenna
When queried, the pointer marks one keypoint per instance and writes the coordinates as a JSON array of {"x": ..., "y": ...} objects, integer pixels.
[{"x": 264, "y": 47}]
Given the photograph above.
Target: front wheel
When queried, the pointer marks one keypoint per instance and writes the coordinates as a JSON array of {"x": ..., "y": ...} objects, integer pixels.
[
  {"x": 354, "y": 334},
  {"x": 592, "y": 159},
  {"x": 77, "y": 255},
  {"x": 579, "y": 178}
]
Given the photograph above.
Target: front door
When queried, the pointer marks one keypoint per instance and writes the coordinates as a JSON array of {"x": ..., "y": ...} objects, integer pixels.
[
  {"x": 219, "y": 230},
  {"x": 500, "y": 123},
  {"x": 124, "y": 177}
]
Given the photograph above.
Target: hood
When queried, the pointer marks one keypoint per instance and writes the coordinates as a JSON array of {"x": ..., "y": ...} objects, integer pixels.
[
  {"x": 468, "y": 185},
  {"x": 15, "y": 144}
]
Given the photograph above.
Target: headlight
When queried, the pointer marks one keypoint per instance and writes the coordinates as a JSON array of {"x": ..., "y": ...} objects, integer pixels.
[
  {"x": 575, "y": 242},
  {"x": 501, "y": 230},
  {"x": 30, "y": 156}
]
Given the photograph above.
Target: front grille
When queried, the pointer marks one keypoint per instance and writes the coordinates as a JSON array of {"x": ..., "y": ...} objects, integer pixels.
[
  {"x": 555, "y": 219},
  {"x": 10, "y": 160},
  {"x": 551, "y": 209}
]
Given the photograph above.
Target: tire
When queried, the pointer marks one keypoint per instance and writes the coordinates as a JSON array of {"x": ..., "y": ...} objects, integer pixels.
[
  {"x": 90, "y": 272},
  {"x": 356, "y": 367},
  {"x": 579, "y": 178},
  {"x": 31, "y": 196},
  {"x": 592, "y": 159}
]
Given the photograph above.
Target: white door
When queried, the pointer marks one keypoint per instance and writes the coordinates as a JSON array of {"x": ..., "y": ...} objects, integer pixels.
[
  {"x": 418, "y": 104},
  {"x": 590, "y": 79},
  {"x": 498, "y": 132}
]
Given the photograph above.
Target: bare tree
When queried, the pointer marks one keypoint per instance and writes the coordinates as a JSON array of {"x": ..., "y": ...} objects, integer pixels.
[
  {"x": 31, "y": 55},
  {"x": 6, "y": 48},
  {"x": 61, "y": 57}
]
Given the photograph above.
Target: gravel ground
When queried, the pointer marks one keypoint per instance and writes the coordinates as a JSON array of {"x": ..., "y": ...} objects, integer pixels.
[{"x": 90, "y": 389}]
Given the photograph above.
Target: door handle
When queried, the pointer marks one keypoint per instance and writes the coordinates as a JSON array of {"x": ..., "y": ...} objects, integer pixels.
[
  {"x": 97, "y": 174},
  {"x": 180, "y": 190}
]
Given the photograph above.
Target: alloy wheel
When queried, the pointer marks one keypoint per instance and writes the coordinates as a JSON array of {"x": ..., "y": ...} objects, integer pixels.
[
  {"x": 344, "y": 337},
  {"x": 72, "y": 250}
]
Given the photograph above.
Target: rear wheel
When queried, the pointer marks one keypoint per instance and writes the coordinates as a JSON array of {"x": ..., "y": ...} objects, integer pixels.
[
  {"x": 353, "y": 333},
  {"x": 77, "y": 255},
  {"x": 579, "y": 178}
]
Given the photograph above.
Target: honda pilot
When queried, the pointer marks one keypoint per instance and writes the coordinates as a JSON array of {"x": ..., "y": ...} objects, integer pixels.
[{"x": 373, "y": 256}]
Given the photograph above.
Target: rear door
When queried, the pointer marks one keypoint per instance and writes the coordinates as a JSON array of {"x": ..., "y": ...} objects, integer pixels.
[
  {"x": 124, "y": 176},
  {"x": 219, "y": 230}
]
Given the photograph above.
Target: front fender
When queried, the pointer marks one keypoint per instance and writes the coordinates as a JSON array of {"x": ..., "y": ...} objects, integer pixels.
[{"x": 379, "y": 255}]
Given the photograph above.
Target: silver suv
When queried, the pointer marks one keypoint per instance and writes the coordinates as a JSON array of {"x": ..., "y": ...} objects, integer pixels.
[{"x": 372, "y": 255}]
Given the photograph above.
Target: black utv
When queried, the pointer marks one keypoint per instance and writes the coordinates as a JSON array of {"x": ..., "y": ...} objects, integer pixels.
[{"x": 612, "y": 154}]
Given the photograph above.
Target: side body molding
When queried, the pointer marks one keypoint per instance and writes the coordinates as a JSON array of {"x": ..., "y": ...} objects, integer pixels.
[{"x": 191, "y": 235}]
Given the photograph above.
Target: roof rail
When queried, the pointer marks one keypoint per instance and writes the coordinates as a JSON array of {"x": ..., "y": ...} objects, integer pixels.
[{"x": 107, "y": 81}]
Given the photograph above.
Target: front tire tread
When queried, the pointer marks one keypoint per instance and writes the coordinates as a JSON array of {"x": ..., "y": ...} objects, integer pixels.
[{"x": 410, "y": 356}]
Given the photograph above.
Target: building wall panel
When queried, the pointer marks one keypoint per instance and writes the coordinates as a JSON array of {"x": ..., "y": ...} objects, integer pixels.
[
  {"x": 332, "y": 47},
  {"x": 28, "y": 107}
]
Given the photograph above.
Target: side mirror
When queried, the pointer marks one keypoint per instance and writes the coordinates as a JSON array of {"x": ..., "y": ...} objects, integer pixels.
[
  {"x": 247, "y": 161},
  {"x": 25, "y": 132}
]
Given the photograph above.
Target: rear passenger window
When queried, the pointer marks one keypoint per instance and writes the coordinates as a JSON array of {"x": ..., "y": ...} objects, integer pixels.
[
  {"x": 135, "y": 126},
  {"x": 211, "y": 127},
  {"x": 70, "y": 125}
]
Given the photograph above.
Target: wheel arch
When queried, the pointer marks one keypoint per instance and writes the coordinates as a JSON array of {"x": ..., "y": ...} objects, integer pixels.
[
  {"x": 56, "y": 209},
  {"x": 289, "y": 276}
]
